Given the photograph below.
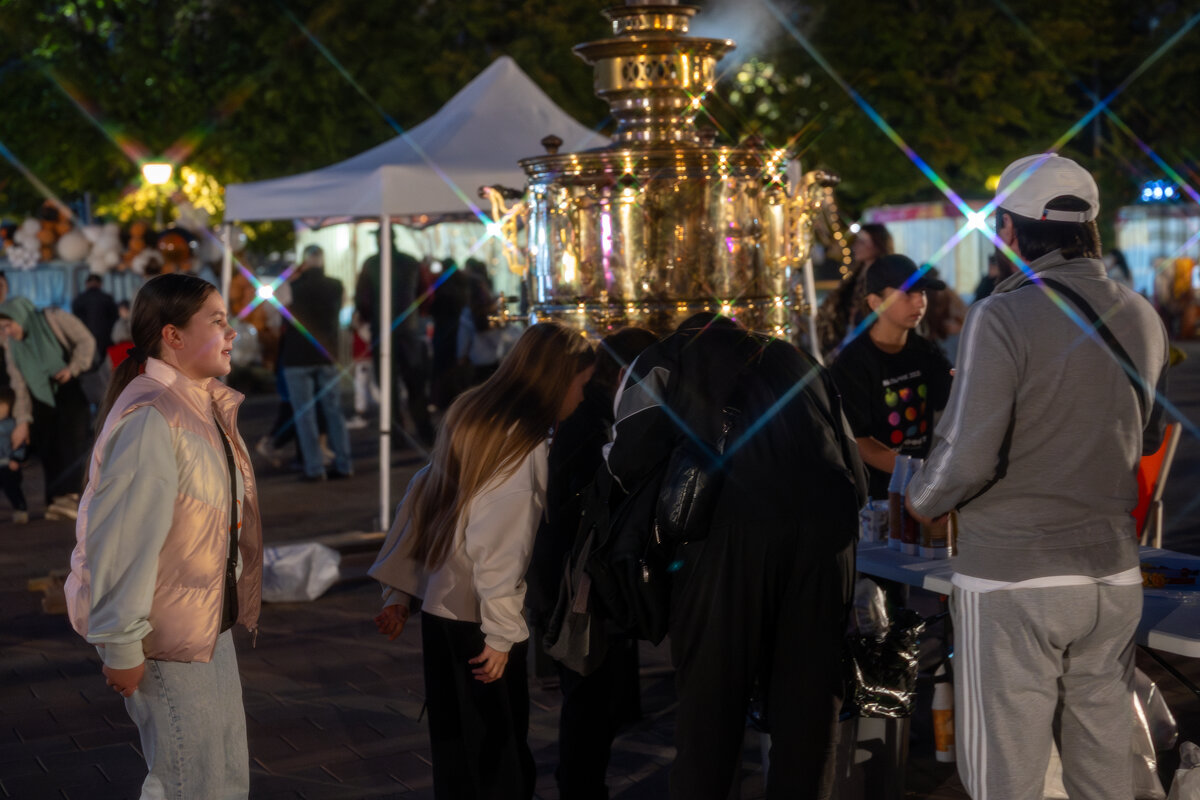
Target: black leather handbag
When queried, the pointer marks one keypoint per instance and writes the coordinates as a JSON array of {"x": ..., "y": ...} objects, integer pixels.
[{"x": 691, "y": 486}]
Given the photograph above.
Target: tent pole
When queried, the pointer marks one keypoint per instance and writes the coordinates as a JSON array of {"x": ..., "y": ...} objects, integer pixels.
[
  {"x": 385, "y": 370},
  {"x": 226, "y": 260},
  {"x": 810, "y": 294}
]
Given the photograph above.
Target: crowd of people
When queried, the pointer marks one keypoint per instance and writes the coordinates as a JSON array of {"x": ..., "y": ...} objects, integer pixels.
[{"x": 778, "y": 451}]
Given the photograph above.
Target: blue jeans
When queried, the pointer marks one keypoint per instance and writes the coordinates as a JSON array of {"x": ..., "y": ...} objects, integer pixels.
[
  {"x": 308, "y": 386},
  {"x": 193, "y": 728}
]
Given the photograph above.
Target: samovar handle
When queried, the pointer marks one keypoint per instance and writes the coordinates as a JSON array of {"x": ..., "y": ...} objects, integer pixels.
[
  {"x": 802, "y": 209},
  {"x": 508, "y": 219}
]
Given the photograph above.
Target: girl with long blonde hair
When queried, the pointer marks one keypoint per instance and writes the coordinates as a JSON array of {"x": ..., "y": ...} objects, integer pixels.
[{"x": 461, "y": 543}]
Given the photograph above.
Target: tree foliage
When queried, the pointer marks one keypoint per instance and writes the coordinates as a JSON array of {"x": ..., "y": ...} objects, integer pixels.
[
  {"x": 970, "y": 85},
  {"x": 240, "y": 91}
]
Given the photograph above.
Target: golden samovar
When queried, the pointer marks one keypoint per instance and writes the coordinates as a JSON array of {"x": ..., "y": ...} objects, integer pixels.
[{"x": 663, "y": 223}]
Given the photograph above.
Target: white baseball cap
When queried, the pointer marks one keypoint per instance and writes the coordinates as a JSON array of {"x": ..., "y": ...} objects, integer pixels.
[{"x": 1030, "y": 183}]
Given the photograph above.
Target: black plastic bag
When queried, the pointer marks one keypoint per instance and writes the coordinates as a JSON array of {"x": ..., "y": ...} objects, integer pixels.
[{"x": 881, "y": 661}]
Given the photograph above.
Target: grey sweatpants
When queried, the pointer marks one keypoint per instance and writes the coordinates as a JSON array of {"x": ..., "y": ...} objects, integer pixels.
[{"x": 1024, "y": 655}]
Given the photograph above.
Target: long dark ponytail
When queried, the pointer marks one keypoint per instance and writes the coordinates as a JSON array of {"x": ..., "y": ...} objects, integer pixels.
[{"x": 170, "y": 299}]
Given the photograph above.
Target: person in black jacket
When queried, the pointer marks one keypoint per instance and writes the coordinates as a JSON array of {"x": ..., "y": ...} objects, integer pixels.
[
  {"x": 761, "y": 590},
  {"x": 309, "y": 355},
  {"x": 98, "y": 311},
  {"x": 594, "y": 706},
  {"x": 409, "y": 352}
]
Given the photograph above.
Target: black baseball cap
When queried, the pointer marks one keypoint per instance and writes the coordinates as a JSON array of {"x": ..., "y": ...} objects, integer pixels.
[{"x": 897, "y": 271}]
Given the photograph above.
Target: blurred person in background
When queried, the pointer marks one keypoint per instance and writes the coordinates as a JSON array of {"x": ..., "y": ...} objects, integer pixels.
[
  {"x": 999, "y": 267},
  {"x": 409, "y": 355},
  {"x": 450, "y": 297},
  {"x": 843, "y": 309},
  {"x": 594, "y": 706},
  {"x": 944, "y": 319},
  {"x": 11, "y": 458},
  {"x": 46, "y": 352},
  {"x": 309, "y": 359},
  {"x": 98, "y": 311},
  {"x": 3, "y": 362}
]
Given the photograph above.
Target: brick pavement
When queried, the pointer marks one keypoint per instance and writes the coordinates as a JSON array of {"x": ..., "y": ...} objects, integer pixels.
[{"x": 333, "y": 710}]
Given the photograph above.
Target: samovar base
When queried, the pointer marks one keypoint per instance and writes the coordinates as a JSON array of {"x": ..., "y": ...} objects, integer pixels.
[{"x": 769, "y": 315}]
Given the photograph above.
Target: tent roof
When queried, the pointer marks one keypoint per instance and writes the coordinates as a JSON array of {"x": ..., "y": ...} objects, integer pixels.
[{"x": 474, "y": 140}]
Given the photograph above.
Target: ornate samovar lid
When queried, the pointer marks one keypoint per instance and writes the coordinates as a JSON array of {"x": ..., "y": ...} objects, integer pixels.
[{"x": 652, "y": 74}]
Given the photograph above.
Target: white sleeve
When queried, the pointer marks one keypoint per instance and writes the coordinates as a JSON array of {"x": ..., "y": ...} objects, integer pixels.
[
  {"x": 128, "y": 517},
  {"x": 499, "y": 541}
]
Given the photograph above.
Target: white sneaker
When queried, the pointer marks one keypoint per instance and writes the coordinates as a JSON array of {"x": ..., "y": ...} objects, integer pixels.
[
  {"x": 268, "y": 451},
  {"x": 62, "y": 508},
  {"x": 357, "y": 423}
]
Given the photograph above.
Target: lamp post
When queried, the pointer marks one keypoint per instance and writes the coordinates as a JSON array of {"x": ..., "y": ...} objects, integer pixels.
[{"x": 157, "y": 174}]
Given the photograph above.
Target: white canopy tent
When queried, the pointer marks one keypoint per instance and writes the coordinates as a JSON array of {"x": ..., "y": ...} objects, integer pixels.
[{"x": 435, "y": 169}]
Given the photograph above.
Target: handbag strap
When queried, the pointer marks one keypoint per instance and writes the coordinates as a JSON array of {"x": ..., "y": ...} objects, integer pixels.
[
  {"x": 1106, "y": 334},
  {"x": 1114, "y": 346},
  {"x": 230, "y": 614}
]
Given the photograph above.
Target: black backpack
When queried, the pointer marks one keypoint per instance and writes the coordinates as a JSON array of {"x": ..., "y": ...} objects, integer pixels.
[{"x": 616, "y": 578}]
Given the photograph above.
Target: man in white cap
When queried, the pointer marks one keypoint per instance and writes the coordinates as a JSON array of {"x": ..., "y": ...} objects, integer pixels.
[{"x": 1052, "y": 406}]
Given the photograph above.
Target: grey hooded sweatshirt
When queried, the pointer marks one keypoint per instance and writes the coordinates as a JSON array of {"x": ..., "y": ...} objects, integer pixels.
[{"x": 1062, "y": 505}]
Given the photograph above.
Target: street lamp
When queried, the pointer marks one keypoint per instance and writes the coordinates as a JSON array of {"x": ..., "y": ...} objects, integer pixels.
[{"x": 157, "y": 174}]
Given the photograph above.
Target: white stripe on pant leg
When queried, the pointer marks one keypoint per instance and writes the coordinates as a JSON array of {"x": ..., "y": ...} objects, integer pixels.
[
  {"x": 981, "y": 769},
  {"x": 978, "y": 762},
  {"x": 972, "y": 716},
  {"x": 963, "y": 673}
]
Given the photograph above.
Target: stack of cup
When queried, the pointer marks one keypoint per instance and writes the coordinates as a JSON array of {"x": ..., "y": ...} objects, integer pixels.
[
  {"x": 937, "y": 540},
  {"x": 873, "y": 521},
  {"x": 904, "y": 532}
]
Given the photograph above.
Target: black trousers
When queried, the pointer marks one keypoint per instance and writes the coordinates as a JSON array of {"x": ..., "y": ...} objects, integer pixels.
[
  {"x": 477, "y": 731},
  {"x": 756, "y": 610},
  {"x": 594, "y": 709},
  {"x": 63, "y": 439},
  {"x": 10, "y": 483},
  {"x": 410, "y": 368}
]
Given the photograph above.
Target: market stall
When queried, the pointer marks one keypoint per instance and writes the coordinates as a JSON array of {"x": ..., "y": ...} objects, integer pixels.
[{"x": 429, "y": 174}]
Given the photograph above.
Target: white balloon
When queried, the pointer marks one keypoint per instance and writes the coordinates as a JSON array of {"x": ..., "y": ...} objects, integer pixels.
[
  {"x": 143, "y": 260},
  {"x": 24, "y": 257},
  {"x": 27, "y": 234},
  {"x": 73, "y": 246},
  {"x": 106, "y": 250},
  {"x": 209, "y": 251}
]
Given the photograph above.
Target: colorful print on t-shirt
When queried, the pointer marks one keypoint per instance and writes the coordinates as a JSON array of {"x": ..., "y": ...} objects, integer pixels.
[
  {"x": 906, "y": 396},
  {"x": 892, "y": 397}
]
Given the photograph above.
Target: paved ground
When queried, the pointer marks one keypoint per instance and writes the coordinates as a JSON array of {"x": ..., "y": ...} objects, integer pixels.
[{"x": 334, "y": 710}]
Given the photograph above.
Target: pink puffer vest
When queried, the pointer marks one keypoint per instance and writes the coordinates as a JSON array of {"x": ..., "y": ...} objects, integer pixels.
[{"x": 185, "y": 612}]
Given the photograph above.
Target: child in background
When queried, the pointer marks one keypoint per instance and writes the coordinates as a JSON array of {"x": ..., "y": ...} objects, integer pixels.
[
  {"x": 366, "y": 389},
  {"x": 11, "y": 458},
  {"x": 893, "y": 381}
]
